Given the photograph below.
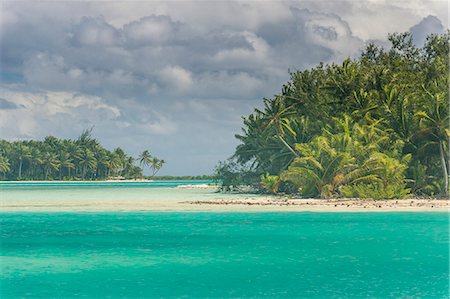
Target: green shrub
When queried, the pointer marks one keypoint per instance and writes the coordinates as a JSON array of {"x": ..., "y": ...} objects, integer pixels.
[
  {"x": 270, "y": 183},
  {"x": 375, "y": 191}
]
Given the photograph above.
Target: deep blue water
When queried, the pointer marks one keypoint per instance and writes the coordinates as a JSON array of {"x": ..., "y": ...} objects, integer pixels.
[{"x": 226, "y": 255}]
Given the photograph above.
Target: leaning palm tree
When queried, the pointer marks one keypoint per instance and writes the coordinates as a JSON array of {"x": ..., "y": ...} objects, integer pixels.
[
  {"x": 156, "y": 164},
  {"x": 277, "y": 116},
  {"x": 145, "y": 158}
]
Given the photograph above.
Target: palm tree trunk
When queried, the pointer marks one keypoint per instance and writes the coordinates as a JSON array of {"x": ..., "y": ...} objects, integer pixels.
[
  {"x": 287, "y": 145},
  {"x": 20, "y": 168},
  {"x": 444, "y": 168}
]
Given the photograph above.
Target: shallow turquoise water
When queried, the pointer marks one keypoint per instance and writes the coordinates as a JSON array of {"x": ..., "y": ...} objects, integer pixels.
[
  {"x": 39, "y": 185},
  {"x": 234, "y": 255}
]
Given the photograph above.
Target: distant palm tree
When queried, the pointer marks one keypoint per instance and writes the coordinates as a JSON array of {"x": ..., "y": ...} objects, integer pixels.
[
  {"x": 64, "y": 162},
  {"x": 156, "y": 164},
  {"x": 36, "y": 161},
  {"x": 74, "y": 150},
  {"x": 4, "y": 165},
  {"x": 87, "y": 162},
  {"x": 51, "y": 163},
  {"x": 145, "y": 158},
  {"x": 114, "y": 163},
  {"x": 23, "y": 153},
  {"x": 128, "y": 167}
]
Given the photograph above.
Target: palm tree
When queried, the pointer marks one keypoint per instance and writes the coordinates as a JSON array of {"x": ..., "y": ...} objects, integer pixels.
[
  {"x": 348, "y": 155},
  {"x": 36, "y": 161},
  {"x": 74, "y": 151},
  {"x": 51, "y": 163},
  {"x": 434, "y": 129},
  {"x": 65, "y": 161},
  {"x": 113, "y": 163},
  {"x": 156, "y": 164},
  {"x": 145, "y": 158},
  {"x": 22, "y": 153},
  {"x": 121, "y": 159},
  {"x": 102, "y": 157},
  {"x": 87, "y": 162},
  {"x": 128, "y": 167},
  {"x": 321, "y": 169},
  {"x": 276, "y": 115},
  {"x": 4, "y": 165}
]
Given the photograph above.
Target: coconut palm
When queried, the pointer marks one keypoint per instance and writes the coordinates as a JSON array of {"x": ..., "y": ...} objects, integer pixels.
[
  {"x": 87, "y": 162},
  {"x": 277, "y": 117},
  {"x": 51, "y": 163},
  {"x": 65, "y": 162},
  {"x": 434, "y": 130},
  {"x": 145, "y": 159},
  {"x": 113, "y": 163},
  {"x": 4, "y": 165},
  {"x": 74, "y": 150},
  {"x": 156, "y": 164},
  {"x": 23, "y": 153}
]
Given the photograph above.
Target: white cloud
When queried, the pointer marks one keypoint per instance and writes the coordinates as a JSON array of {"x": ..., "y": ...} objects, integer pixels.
[
  {"x": 150, "y": 30},
  {"x": 95, "y": 32},
  {"x": 329, "y": 31},
  {"x": 161, "y": 126},
  {"x": 41, "y": 113},
  {"x": 241, "y": 57},
  {"x": 176, "y": 79}
]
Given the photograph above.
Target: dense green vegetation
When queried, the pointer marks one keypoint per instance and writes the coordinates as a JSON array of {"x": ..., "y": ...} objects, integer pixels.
[
  {"x": 81, "y": 159},
  {"x": 372, "y": 127}
]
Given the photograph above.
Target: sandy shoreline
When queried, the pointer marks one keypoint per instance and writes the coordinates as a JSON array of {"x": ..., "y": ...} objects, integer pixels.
[
  {"x": 250, "y": 204},
  {"x": 333, "y": 205}
]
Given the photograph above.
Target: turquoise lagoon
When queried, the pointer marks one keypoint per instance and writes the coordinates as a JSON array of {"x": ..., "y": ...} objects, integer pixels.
[{"x": 220, "y": 255}]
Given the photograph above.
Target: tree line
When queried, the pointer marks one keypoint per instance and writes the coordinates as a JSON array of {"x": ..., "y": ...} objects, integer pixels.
[
  {"x": 372, "y": 127},
  {"x": 65, "y": 159}
]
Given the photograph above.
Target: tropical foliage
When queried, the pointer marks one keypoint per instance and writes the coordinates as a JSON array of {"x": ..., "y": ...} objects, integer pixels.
[
  {"x": 57, "y": 159},
  {"x": 376, "y": 126}
]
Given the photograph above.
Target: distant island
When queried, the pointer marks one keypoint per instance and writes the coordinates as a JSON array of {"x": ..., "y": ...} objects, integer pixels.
[
  {"x": 372, "y": 127},
  {"x": 65, "y": 159}
]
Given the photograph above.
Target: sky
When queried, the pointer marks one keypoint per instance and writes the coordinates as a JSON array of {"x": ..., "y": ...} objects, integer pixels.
[{"x": 175, "y": 77}]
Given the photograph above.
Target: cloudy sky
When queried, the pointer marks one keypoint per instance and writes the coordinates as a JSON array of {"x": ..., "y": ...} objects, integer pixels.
[{"x": 175, "y": 77}]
